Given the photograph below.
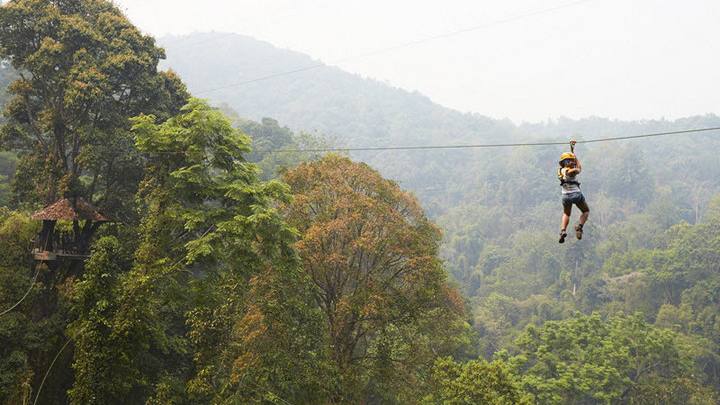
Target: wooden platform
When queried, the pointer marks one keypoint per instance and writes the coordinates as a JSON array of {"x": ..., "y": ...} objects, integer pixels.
[{"x": 46, "y": 256}]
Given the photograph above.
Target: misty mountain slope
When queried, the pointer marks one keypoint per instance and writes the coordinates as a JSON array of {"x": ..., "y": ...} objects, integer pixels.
[
  {"x": 355, "y": 111},
  {"x": 351, "y": 109}
]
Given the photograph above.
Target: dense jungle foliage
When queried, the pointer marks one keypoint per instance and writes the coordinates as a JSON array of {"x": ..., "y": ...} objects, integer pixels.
[{"x": 236, "y": 269}]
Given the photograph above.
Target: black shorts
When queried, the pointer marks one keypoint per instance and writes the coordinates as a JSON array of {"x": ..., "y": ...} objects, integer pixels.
[{"x": 574, "y": 198}]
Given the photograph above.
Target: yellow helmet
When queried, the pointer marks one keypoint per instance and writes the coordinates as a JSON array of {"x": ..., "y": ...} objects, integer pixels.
[{"x": 567, "y": 155}]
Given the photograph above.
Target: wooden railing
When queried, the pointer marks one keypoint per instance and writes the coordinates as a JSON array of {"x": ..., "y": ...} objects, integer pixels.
[{"x": 61, "y": 244}]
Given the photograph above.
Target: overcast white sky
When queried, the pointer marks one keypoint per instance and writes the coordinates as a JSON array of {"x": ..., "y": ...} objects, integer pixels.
[{"x": 627, "y": 59}]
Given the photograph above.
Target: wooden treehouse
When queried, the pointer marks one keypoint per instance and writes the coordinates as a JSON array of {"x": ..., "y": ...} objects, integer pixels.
[{"x": 72, "y": 243}]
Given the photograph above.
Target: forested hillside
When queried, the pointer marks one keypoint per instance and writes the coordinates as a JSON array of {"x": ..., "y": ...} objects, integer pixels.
[{"x": 191, "y": 252}]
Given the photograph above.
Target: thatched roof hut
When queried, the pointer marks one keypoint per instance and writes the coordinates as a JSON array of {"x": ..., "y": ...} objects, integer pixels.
[{"x": 65, "y": 210}]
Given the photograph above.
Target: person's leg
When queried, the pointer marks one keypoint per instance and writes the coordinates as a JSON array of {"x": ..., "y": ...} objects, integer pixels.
[
  {"x": 584, "y": 217},
  {"x": 567, "y": 209},
  {"x": 565, "y": 220},
  {"x": 585, "y": 212}
]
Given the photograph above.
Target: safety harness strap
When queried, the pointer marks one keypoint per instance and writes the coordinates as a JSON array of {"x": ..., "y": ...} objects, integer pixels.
[
  {"x": 564, "y": 182},
  {"x": 562, "y": 179}
]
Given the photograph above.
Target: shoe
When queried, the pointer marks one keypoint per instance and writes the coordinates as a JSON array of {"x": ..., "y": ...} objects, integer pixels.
[
  {"x": 578, "y": 231},
  {"x": 563, "y": 235}
]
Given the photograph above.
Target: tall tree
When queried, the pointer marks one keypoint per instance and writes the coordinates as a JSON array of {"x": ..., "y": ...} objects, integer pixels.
[
  {"x": 80, "y": 71},
  {"x": 83, "y": 70},
  {"x": 212, "y": 267},
  {"x": 372, "y": 255}
]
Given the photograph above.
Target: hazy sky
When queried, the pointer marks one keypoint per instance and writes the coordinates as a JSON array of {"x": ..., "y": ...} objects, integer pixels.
[{"x": 627, "y": 59}]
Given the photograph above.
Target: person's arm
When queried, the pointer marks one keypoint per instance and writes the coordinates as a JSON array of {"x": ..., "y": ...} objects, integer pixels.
[
  {"x": 578, "y": 166},
  {"x": 578, "y": 169}
]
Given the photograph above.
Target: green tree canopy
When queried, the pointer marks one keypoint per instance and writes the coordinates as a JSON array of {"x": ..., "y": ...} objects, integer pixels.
[
  {"x": 372, "y": 255},
  {"x": 586, "y": 359},
  {"x": 210, "y": 306},
  {"x": 83, "y": 69},
  {"x": 474, "y": 382}
]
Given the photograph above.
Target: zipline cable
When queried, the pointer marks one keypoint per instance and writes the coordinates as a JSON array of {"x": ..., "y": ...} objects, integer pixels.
[
  {"x": 491, "y": 145},
  {"x": 48, "y": 370},
  {"x": 32, "y": 284},
  {"x": 466, "y": 146},
  {"x": 400, "y": 46}
]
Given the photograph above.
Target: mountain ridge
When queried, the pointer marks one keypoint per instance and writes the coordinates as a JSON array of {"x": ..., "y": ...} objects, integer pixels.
[{"x": 334, "y": 96}]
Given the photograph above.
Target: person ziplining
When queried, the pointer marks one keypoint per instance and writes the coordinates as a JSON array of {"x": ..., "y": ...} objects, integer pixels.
[{"x": 570, "y": 168}]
